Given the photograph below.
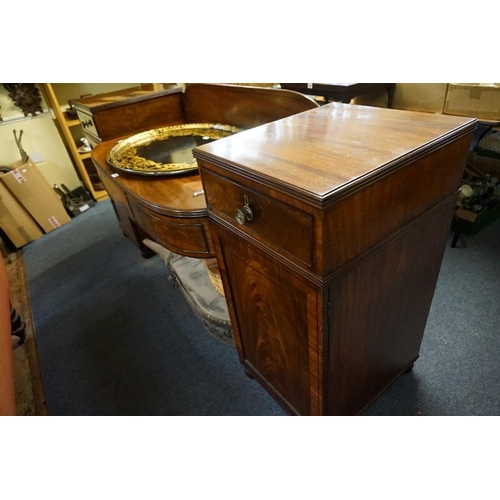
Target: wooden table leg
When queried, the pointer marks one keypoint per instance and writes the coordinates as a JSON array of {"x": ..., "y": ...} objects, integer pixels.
[
  {"x": 456, "y": 233},
  {"x": 390, "y": 94}
]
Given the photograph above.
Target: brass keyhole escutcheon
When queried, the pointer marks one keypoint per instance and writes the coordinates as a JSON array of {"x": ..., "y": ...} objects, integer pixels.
[
  {"x": 247, "y": 210},
  {"x": 244, "y": 214},
  {"x": 239, "y": 216}
]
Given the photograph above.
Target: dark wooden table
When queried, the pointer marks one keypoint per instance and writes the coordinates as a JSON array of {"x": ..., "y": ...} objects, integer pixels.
[{"x": 342, "y": 92}]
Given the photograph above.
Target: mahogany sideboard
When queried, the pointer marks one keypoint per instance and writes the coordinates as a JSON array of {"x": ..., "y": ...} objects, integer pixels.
[
  {"x": 329, "y": 228},
  {"x": 171, "y": 210}
]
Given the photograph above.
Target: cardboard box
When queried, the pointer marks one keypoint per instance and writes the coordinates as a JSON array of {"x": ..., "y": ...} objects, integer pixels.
[
  {"x": 485, "y": 164},
  {"x": 477, "y": 100},
  {"x": 471, "y": 223},
  {"x": 15, "y": 221},
  {"x": 30, "y": 188}
]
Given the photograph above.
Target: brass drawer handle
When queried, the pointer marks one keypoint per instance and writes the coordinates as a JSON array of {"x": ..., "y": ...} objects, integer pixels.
[{"x": 244, "y": 214}]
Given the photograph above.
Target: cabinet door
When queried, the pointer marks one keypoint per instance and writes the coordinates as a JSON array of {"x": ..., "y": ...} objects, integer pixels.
[{"x": 274, "y": 317}]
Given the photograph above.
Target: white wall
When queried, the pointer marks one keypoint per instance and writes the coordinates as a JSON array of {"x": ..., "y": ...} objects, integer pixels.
[
  {"x": 411, "y": 96},
  {"x": 39, "y": 135}
]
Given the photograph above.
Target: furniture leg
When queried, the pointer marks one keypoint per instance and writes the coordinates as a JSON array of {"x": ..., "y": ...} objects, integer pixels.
[
  {"x": 410, "y": 368},
  {"x": 390, "y": 94},
  {"x": 456, "y": 233}
]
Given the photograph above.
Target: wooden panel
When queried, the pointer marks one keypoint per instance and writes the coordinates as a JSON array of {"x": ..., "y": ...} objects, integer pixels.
[
  {"x": 188, "y": 237},
  {"x": 139, "y": 116},
  {"x": 244, "y": 107},
  {"x": 277, "y": 339},
  {"x": 276, "y": 223},
  {"x": 378, "y": 314},
  {"x": 356, "y": 223},
  {"x": 122, "y": 210}
]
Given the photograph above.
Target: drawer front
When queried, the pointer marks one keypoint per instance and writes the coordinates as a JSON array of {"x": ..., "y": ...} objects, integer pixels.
[
  {"x": 186, "y": 237},
  {"x": 273, "y": 223},
  {"x": 87, "y": 123}
]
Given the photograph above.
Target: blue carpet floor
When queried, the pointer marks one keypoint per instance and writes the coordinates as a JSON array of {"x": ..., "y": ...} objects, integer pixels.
[{"x": 115, "y": 338}]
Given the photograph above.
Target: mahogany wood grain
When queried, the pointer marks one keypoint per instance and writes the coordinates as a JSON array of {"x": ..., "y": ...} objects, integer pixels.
[
  {"x": 124, "y": 215},
  {"x": 348, "y": 227},
  {"x": 327, "y": 153},
  {"x": 378, "y": 314},
  {"x": 130, "y": 111},
  {"x": 305, "y": 268},
  {"x": 282, "y": 226},
  {"x": 379, "y": 188},
  {"x": 241, "y": 106},
  {"x": 273, "y": 315},
  {"x": 160, "y": 113},
  {"x": 357, "y": 222},
  {"x": 185, "y": 236}
]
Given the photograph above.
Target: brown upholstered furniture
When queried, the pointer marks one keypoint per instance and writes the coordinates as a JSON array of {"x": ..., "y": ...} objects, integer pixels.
[{"x": 7, "y": 392}]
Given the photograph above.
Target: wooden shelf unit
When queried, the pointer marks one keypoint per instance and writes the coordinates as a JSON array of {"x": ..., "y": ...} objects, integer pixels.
[
  {"x": 64, "y": 125},
  {"x": 72, "y": 122}
]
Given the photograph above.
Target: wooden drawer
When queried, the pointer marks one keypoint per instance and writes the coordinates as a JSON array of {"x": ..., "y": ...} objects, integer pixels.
[
  {"x": 186, "y": 238},
  {"x": 275, "y": 224}
]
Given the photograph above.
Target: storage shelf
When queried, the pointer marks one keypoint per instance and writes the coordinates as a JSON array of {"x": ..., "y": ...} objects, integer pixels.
[
  {"x": 72, "y": 123},
  {"x": 101, "y": 195},
  {"x": 64, "y": 124}
]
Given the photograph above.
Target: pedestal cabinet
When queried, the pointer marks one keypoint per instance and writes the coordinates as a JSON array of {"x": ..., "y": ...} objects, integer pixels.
[{"x": 329, "y": 228}]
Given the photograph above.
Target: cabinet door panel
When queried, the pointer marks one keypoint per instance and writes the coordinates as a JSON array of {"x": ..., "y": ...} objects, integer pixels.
[{"x": 275, "y": 317}]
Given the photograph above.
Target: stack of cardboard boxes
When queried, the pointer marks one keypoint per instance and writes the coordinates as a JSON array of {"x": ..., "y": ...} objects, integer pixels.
[
  {"x": 477, "y": 100},
  {"x": 481, "y": 101},
  {"x": 29, "y": 207}
]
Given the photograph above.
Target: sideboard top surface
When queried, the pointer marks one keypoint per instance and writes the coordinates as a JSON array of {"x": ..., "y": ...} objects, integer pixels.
[
  {"x": 319, "y": 154},
  {"x": 118, "y": 98}
]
